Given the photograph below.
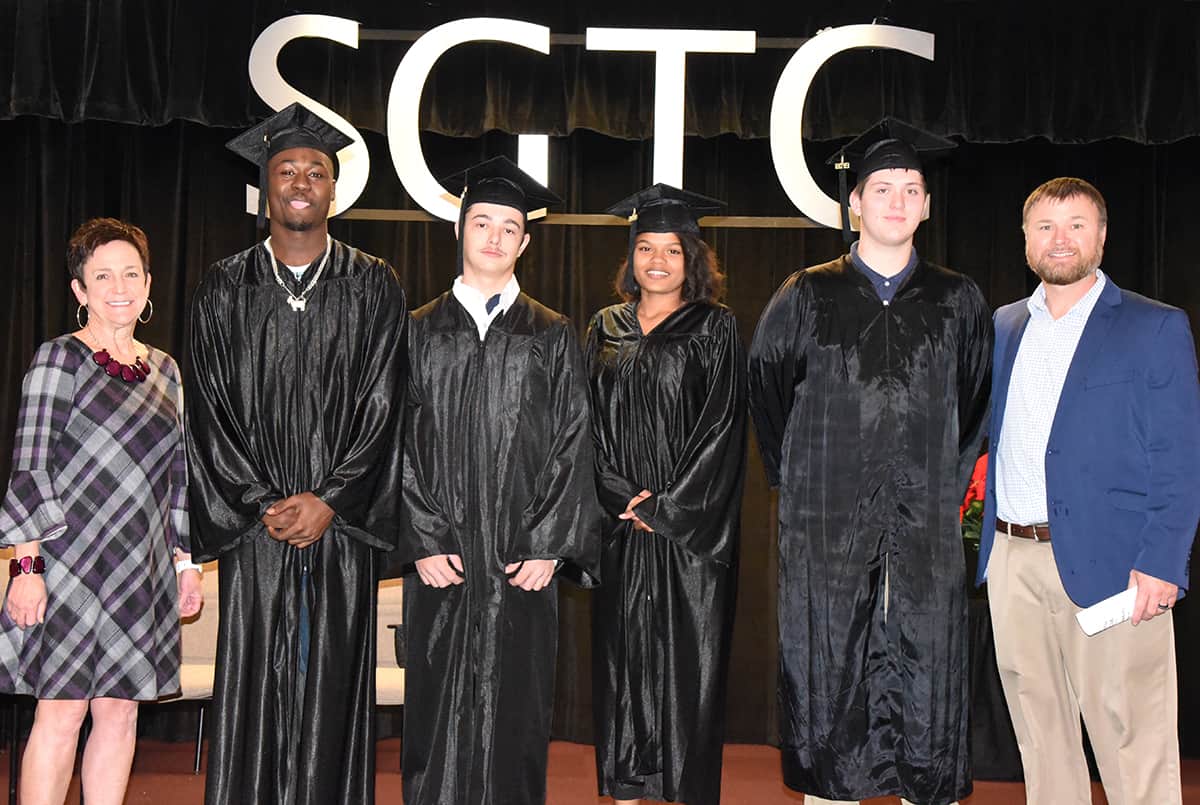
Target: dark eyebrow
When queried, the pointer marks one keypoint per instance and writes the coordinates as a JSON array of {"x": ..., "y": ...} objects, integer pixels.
[
  {"x": 892, "y": 182},
  {"x": 487, "y": 217},
  {"x": 298, "y": 163},
  {"x": 1051, "y": 220}
]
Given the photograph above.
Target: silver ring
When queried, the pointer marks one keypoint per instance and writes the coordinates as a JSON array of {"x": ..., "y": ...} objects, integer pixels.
[{"x": 1164, "y": 606}]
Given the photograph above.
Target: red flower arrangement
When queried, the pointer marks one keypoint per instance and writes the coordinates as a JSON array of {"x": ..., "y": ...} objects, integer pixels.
[
  {"x": 975, "y": 490},
  {"x": 970, "y": 513}
]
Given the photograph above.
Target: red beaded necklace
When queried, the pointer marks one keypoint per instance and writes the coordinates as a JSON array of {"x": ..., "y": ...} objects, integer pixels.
[{"x": 135, "y": 372}]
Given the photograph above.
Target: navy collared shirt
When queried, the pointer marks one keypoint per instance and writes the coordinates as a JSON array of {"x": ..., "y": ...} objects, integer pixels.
[{"x": 886, "y": 287}]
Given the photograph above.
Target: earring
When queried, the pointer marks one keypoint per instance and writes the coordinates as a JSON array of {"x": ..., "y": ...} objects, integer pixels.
[
  {"x": 150, "y": 315},
  {"x": 79, "y": 316}
]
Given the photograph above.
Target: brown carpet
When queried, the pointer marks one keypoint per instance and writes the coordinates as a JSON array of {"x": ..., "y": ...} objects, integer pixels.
[{"x": 162, "y": 774}]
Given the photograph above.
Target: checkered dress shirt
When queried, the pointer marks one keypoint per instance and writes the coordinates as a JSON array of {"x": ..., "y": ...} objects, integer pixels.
[{"x": 1043, "y": 358}]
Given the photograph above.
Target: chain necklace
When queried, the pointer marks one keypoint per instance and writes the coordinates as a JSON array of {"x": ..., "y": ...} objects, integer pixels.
[{"x": 299, "y": 302}]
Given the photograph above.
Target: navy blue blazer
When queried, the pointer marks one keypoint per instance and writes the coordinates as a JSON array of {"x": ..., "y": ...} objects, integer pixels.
[{"x": 1123, "y": 459}]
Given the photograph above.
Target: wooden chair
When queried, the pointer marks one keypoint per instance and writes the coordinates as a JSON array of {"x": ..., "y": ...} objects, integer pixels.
[
  {"x": 199, "y": 642},
  {"x": 389, "y": 669},
  {"x": 198, "y": 639}
]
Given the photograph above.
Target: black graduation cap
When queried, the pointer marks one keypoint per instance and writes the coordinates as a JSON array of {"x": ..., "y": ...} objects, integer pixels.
[
  {"x": 890, "y": 143},
  {"x": 295, "y": 126},
  {"x": 498, "y": 181},
  {"x": 662, "y": 208}
]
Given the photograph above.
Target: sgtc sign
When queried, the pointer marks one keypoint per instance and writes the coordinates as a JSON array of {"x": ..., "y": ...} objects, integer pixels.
[{"x": 670, "y": 47}]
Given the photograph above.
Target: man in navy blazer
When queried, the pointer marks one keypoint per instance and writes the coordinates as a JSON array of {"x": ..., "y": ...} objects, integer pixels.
[{"x": 1092, "y": 487}]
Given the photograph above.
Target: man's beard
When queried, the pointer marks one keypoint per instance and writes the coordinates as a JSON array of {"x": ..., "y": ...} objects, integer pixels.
[
  {"x": 298, "y": 226},
  {"x": 1058, "y": 273}
]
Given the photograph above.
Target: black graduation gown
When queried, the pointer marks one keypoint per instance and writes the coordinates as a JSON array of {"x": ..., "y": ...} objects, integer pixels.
[
  {"x": 281, "y": 402},
  {"x": 869, "y": 419},
  {"x": 498, "y": 469},
  {"x": 668, "y": 415}
]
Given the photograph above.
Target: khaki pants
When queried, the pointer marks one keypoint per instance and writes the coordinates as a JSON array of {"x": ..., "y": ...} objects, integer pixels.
[{"x": 1122, "y": 680}]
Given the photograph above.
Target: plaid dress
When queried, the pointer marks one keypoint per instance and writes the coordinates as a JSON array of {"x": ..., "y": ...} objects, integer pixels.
[{"x": 99, "y": 477}]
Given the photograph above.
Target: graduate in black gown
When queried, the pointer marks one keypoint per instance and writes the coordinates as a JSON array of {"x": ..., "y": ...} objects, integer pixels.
[
  {"x": 667, "y": 381},
  {"x": 499, "y": 495},
  {"x": 869, "y": 380},
  {"x": 294, "y": 411}
]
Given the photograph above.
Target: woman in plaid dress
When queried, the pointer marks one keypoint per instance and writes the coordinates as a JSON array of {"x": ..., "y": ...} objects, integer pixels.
[{"x": 95, "y": 508}]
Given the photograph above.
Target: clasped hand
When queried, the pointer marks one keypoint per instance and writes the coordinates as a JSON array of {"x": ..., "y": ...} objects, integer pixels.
[
  {"x": 446, "y": 569},
  {"x": 299, "y": 520},
  {"x": 629, "y": 514}
]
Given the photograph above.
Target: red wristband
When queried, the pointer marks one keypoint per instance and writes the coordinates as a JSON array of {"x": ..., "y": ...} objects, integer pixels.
[{"x": 26, "y": 564}]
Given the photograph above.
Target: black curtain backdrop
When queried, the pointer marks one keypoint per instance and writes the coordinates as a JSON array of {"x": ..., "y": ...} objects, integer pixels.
[
  {"x": 179, "y": 183},
  {"x": 1068, "y": 71},
  {"x": 124, "y": 111}
]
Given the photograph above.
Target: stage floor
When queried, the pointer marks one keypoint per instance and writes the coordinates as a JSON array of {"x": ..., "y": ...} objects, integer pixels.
[{"x": 162, "y": 773}]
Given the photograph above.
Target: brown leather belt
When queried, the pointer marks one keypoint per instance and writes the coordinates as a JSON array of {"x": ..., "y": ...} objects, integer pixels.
[{"x": 1039, "y": 532}]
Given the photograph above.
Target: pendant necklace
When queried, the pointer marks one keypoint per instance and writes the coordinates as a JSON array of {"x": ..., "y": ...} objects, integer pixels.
[
  {"x": 135, "y": 372},
  {"x": 298, "y": 302}
]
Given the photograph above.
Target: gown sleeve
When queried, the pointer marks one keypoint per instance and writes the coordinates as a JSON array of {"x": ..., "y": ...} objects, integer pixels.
[
  {"x": 699, "y": 508},
  {"x": 613, "y": 489},
  {"x": 227, "y": 495},
  {"x": 776, "y": 366},
  {"x": 178, "y": 530},
  {"x": 32, "y": 509},
  {"x": 426, "y": 528},
  {"x": 974, "y": 380},
  {"x": 364, "y": 486},
  {"x": 561, "y": 519}
]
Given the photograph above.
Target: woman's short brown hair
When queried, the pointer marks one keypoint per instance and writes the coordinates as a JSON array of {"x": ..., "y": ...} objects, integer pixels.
[
  {"x": 97, "y": 232},
  {"x": 702, "y": 277}
]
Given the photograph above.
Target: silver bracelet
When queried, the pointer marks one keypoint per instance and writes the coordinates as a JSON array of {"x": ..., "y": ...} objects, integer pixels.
[{"x": 187, "y": 564}]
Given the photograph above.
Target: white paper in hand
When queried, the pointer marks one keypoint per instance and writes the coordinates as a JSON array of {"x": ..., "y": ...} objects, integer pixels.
[{"x": 1109, "y": 612}]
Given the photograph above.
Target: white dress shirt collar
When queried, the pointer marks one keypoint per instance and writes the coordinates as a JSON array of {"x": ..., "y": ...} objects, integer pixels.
[
  {"x": 476, "y": 303},
  {"x": 1040, "y": 367},
  {"x": 1082, "y": 308}
]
